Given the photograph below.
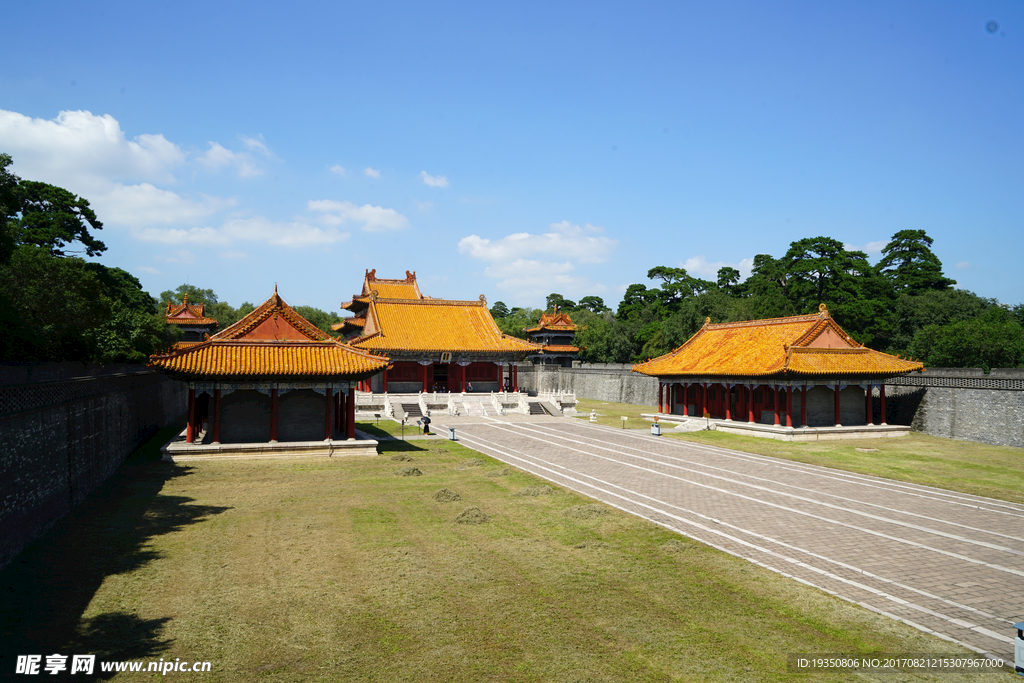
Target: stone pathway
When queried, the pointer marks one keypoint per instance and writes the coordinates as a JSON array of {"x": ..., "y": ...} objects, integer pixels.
[{"x": 947, "y": 563}]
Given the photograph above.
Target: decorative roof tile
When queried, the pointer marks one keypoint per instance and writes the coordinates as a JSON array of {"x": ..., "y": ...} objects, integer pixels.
[
  {"x": 553, "y": 321},
  {"x": 797, "y": 345}
]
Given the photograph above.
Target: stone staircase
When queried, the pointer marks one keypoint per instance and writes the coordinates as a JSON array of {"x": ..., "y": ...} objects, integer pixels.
[
  {"x": 536, "y": 408},
  {"x": 474, "y": 406},
  {"x": 413, "y": 409}
]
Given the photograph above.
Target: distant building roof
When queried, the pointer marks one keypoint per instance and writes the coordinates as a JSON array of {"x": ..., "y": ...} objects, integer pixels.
[
  {"x": 798, "y": 345},
  {"x": 188, "y": 314},
  {"x": 555, "y": 322}
]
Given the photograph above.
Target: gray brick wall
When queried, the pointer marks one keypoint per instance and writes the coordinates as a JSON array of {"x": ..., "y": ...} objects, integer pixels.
[{"x": 65, "y": 428}]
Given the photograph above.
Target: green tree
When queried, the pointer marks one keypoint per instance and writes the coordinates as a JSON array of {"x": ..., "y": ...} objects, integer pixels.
[
  {"x": 910, "y": 265},
  {"x": 321, "y": 319},
  {"x": 53, "y": 218},
  {"x": 728, "y": 278},
  {"x": 594, "y": 304},
  {"x": 499, "y": 310},
  {"x": 518, "y": 320},
  {"x": 993, "y": 340},
  {"x": 911, "y": 313},
  {"x": 554, "y": 301},
  {"x": 196, "y": 295},
  {"x": 8, "y": 209}
]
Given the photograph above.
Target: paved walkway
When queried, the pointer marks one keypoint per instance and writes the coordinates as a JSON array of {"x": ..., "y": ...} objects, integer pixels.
[{"x": 947, "y": 563}]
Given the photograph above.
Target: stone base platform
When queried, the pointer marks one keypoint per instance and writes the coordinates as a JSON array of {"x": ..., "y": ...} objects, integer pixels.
[
  {"x": 176, "y": 450},
  {"x": 780, "y": 433}
]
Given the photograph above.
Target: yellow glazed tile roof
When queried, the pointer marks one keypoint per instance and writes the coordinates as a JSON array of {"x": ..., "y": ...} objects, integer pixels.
[
  {"x": 560, "y": 348},
  {"x": 249, "y": 359},
  {"x": 798, "y": 345},
  {"x": 553, "y": 321},
  {"x": 249, "y": 349},
  {"x": 437, "y": 325}
]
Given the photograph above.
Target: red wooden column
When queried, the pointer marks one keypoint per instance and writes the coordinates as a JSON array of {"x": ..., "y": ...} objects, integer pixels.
[
  {"x": 867, "y": 405},
  {"x": 776, "y": 402},
  {"x": 703, "y": 399},
  {"x": 881, "y": 400},
  {"x": 728, "y": 402},
  {"x": 216, "y": 416},
  {"x": 803, "y": 407},
  {"x": 385, "y": 380},
  {"x": 273, "y": 415},
  {"x": 328, "y": 400},
  {"x": 789, "y": 406},
  {"x": 191, "y": 425},
  {"x": 686, "y": 399},
  {"x": 837, "y": 406},
  {"x": 515, "y": 377},
  {"x": 661, "y": 400},
  {"x": 423, "y": 371},
  {"x": 342, "y": 413},
  {"x": 750, "y": 404},
  {"x": 350, "y": 417}
]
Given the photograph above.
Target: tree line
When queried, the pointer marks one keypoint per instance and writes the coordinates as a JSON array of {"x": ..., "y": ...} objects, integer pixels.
[{"x": 903, "y": 305}]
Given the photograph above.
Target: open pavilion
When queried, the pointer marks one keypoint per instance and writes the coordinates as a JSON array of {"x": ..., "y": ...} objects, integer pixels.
[
  {"x": 788, "y": 378},
  {"x": 268, "y": 382}
]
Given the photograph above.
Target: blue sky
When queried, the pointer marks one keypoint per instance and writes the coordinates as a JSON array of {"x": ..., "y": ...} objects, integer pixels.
[{"x": 518, "y": 149}]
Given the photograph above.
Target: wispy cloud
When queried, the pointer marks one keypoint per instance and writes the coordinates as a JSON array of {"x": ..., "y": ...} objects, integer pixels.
[
  {"x": 434, "y": 180},
  {"x": 871, "y": 248},
  {"x": 372, "y": 172},
  {"x": 371, "y": 218},
  {"x": 338, "y": 170},
  {"x": 963, "y": 264},
  {"x": 249, "y": 229},
  {"x": 530, "y": 266}
]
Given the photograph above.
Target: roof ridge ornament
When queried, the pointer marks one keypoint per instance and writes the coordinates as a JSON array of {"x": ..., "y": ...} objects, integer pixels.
[
  {"x": 823, "y": 310},
  {"x": 707, "y": 321}
]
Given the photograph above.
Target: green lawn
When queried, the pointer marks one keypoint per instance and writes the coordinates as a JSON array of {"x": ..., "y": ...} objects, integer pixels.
[
  {"x": 964, "y": 466},
  {"x": 341, "y": 570}
]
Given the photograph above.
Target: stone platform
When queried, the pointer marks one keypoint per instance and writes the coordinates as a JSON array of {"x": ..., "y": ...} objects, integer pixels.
[
  {"x": 176, "y": 450},
  {"x": 778, "y": 432}
]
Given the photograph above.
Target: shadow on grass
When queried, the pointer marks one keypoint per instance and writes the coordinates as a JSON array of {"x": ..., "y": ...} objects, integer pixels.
[{"x": 46, "y": 589}]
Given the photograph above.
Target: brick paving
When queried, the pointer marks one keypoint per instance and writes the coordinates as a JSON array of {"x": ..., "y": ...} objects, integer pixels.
[{"x": 945, "y": 562}]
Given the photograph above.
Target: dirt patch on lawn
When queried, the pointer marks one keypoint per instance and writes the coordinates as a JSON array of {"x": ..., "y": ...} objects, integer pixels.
[
  {"x": 501, "y": 472},
  {"x": 585, "y": 511},
  {"x": 401, "y": 457},
  {"x": 471, "y": 515},
  {"x": 409, "y": 472},
  {"x": 446, "y": 496},
  {"x": 472, "y": 462},
  {"x": 534, "y": 491}
]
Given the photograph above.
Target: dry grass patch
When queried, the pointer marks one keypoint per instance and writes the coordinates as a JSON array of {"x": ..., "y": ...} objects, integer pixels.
[{"x": 337, "y": 570}]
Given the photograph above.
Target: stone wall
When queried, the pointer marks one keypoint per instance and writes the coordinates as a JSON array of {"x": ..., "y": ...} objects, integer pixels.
[
  {"x": 613, "y": 382},
  {"x": 961, "y": 403},
  {"x": 65, "y": 428}
]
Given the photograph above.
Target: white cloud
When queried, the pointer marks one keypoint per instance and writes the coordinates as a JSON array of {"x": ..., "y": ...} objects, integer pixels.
[
  {"x": 230, "y": 253},
  {"x": 963, "y": 264},
  {"x": 339, "y": 170},
  {"x": 373, "y": 218},
  {"x": 871, "y": 248},
  {"x": 256, "y": 144},
  {"x": 218, "y": 156},
  {"x": 144, "y": 204},
  {"x": 252, "y": 229},
  {"x": 372, "y": 172},
  {"x": 77, "y": 147},
  {"x": 529, "y": 267},
  {"x": 425, "y": 206},
  {"x": 698, "y": 266},
  {"x": 434, "y": 180},
  {"x": 91, "y": 156},
  {"x": 566, "y": 240},
  {"x": 148, "y": 269}
]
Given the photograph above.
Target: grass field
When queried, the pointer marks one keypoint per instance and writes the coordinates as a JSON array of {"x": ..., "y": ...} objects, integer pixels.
[
  {"x": 342, "y": 570},
  {"x": 965, "y": 466}
]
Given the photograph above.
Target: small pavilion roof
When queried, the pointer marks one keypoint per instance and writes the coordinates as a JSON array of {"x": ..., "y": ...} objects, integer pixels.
[
  {"x": 557, "y": 322},
  {"x": 271, "y": 341},
  {"x": 800, "y": 345},
  {"x": 188, "y": 314},
  {"x": 437, "y": 325}
]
